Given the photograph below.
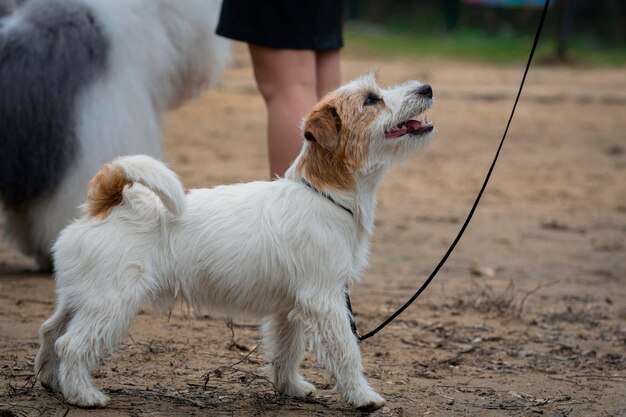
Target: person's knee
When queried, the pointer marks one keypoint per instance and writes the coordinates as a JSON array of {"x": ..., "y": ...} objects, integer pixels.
[{"x": 288, "y": 90}]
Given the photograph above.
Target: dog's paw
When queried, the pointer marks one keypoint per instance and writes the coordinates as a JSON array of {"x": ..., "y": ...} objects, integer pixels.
[
  {"x": 372, "y": 405},
  {"x": 367, "y": 400},
  {"x": 299, "y": 388},
  {"x": 51, "y": 384},
  {"x": 46, "y": 374},
  {"x": 89, "y": 399}
]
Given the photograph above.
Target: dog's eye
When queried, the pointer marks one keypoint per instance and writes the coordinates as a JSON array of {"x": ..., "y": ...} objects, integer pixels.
[{"x": 371, "y": 99}]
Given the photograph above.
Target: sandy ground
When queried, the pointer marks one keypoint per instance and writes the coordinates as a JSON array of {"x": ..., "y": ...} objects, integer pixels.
[{"x": 527, "y": 318}]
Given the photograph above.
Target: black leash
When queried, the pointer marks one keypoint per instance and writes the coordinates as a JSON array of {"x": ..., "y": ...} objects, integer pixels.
[
  {"x": 473, "y": 209},
  {"x": 308, "y": 184}
]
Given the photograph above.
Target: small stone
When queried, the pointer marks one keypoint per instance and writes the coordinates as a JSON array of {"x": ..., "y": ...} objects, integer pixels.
[
  {"x": 482, "y": 271},
  {"x": 450, "y": 401},
  {"x": 386, "y": 410},
  {"x": 466, "y": 348},
  {"x": 525, "y": 353}
]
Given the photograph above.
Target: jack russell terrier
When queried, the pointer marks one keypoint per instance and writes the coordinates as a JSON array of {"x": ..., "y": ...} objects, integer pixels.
[{"x": 282, "y": 250}]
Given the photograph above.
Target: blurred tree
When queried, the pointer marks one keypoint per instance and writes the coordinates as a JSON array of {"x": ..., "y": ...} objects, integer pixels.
[
  {"x": 604, "y": 20},
  {"x": 353, "y": 9},
  {"x": 452, "y": 13},
  {"x": 566, "y": 25}
]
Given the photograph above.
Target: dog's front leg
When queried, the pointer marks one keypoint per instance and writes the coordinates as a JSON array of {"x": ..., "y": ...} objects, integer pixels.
[
  {"x": 338, "y": 350},
  {"x": 284, "y": 345}
]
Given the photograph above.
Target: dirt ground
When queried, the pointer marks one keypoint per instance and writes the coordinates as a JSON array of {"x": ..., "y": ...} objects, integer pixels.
[{"x": 527, "y": 318}]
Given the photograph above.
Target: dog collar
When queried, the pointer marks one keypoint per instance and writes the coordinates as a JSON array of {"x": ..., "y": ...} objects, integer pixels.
[{"x": 308, "y": 184}]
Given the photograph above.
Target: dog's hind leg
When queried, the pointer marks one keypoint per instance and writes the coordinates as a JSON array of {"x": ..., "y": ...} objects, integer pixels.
[
  {"x": 47, "y": 361},
  {"x": 283, "y": 338},
  {"x": 101, "y": 319},
  {"x": 337, "y": 348}
]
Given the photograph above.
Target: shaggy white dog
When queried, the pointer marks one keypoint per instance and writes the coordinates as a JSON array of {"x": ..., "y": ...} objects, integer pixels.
[
  {"x": 282, "y": 250},
  {"x": 83, "y": 81}
]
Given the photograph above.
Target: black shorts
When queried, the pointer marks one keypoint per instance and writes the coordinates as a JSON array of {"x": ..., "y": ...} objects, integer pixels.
[{"x": 285, "y": 24}]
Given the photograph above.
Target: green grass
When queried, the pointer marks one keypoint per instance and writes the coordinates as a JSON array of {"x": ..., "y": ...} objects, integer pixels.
[{"x": 474, "y": 45}]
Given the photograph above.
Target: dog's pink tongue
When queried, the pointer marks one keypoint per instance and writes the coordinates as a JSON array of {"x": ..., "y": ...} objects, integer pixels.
[
  {"x": 395, "y": 133},
  {"x": 407, "y": 127},
  {"x": 413, "y": 125}
]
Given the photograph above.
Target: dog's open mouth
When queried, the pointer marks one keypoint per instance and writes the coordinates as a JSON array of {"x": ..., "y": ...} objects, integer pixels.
[{"x": 410, "y": 127}]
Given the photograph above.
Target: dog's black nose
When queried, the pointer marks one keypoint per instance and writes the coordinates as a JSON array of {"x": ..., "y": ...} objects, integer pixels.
[{"x": 425, "y": 90}]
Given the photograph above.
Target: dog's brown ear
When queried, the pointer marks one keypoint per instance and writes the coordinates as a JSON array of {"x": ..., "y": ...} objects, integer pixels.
[{"x": 323, "y": 126}]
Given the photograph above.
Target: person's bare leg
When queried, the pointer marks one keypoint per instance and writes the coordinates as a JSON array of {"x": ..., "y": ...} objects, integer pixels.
[
  {"x": 287, "y": 81},
  {"x": 328, "y": 71}
]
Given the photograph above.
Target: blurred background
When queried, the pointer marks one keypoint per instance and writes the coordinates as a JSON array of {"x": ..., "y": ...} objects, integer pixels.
[
  {"x": 576, "y": 31},
  {"x": 528, "y": 317}
]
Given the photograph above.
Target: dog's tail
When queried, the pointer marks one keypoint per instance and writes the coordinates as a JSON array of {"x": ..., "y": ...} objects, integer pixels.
[{"x": 106, "y": 188}]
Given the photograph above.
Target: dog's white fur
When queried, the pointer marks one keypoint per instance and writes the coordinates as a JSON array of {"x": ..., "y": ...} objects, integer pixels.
[
  {"x": 277, "y": 250},
  {"x": 162, "y": 52}
]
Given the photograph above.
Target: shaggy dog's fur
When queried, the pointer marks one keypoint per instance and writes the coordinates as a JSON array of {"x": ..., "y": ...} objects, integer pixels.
[
  {"x": 82, "y": 81},
  {"x": 282, "y": 250}
]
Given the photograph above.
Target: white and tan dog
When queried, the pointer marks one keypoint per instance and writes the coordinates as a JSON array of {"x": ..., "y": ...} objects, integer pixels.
[{"x": 282, "y": 250}]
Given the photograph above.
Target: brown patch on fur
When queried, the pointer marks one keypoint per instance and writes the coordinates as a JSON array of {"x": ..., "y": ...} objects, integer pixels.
[
  {"x": 105, "y": 192},
  {"x": 338, "y": 130},
  {"x": 323, "y": 126},
  {"x": 324, "y": 171}
]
